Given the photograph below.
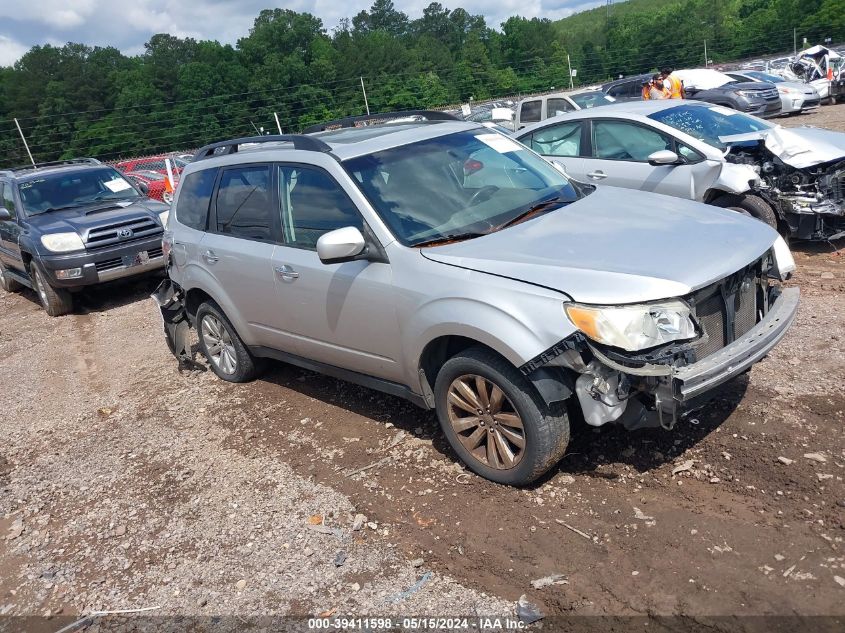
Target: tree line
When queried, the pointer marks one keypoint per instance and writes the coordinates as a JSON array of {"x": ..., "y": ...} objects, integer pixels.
[{"x": 77, "y": 100}]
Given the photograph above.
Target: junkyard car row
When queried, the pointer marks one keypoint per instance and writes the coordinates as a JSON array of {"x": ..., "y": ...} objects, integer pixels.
[{"x": 498, "y": 281}]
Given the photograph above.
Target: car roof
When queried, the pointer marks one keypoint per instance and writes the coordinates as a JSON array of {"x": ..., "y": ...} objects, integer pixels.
[
  {"x": 345, "y": 143},
  {"x": 623, "y": 110}
]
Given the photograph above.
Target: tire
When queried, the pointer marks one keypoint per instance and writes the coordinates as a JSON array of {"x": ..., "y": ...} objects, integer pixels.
[
  {"x": 753, "y": 206},
  {"x": 56, "y": 301},
  {"x": 232, "y": 362},
  {"x": 544, "y": 432},
  {"x": 7, "y": 283}
]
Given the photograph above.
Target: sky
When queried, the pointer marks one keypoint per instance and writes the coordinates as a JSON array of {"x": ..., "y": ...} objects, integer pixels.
[{"x": 127, "y": 24}]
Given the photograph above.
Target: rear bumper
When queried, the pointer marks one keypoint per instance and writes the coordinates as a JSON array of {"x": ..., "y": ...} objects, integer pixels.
[
  {"x": 106, "y": 264},
  {"x": 693, "y": 381}
]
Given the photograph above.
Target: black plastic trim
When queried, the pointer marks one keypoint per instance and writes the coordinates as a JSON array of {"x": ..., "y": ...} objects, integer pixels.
[
  {"x": 299, "y": 141},
  {"x": 371, "y": 382}
]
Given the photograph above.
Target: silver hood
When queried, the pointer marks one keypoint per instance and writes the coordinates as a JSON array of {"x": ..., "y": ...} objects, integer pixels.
[
  {"x": 798, "y": 147},
  {"x": 617, "y": 246}
]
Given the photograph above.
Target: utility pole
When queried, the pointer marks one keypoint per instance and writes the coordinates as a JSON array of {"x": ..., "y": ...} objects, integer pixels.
[
  {"x": 705, "y": 53},
  {"x": 23, "y": 138},
  {"x": 278, "y": 125},
  {"x": 364, "y": 90},
  {"x": 794, "y": 42},
  {"x": 569, "y": 63}
]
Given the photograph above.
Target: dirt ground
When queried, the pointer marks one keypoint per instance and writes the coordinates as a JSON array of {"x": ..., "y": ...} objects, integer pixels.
[{"x": 125, "y": 484}]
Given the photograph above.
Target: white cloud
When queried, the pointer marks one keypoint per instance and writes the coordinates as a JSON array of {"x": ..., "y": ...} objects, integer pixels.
[{"x": 10, "y": 51}]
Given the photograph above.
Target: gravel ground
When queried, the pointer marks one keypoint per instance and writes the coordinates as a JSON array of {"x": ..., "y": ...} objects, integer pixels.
[{"x": 126, "y": 484}]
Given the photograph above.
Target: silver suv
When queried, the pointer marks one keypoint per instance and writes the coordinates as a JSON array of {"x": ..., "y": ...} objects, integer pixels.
[{"x": 445, "y": 263}]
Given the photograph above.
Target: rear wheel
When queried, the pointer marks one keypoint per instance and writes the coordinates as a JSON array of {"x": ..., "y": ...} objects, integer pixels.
[
  {"x": 56, "y": 301},
  {"x": 750, "y": 205},
  {"x": 496, "y": 421},
  {"x": 226, "y": 353},
  {"x": 7, "y": 283}
]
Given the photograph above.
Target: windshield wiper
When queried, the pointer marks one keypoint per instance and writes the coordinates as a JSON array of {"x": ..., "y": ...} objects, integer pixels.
[
  {"x": 537, "y": 207},
  {"x": 61, "y": 208},
  {"x": 454, "y": 237}
]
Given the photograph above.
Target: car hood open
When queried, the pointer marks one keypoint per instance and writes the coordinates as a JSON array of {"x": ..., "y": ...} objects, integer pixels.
[
  {"x": 617, "y": 246},
  {"x": 798, "y": 147}
]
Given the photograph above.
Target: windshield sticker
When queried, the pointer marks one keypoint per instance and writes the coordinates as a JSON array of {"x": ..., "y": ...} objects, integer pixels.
[
  {"x": 723, "y": 111},
  {"x": 118, "y": 184},
  {"x": 501, "y": 144}
]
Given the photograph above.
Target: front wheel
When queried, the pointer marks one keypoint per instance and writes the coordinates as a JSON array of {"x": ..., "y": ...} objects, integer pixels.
[
  {"x": 496, "y": 421},
  {"x": 56, "y": 301},
  {"x": 750, "y": 205}
]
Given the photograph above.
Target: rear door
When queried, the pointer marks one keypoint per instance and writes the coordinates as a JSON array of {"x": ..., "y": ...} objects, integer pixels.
[
  {"x": 10, "y": 250},
  {"x": 237, "y": 252},
  {"x": 618, "y": 156},
  {"x": 341, "y": 314},
  {"x": 562, "y": 143}
]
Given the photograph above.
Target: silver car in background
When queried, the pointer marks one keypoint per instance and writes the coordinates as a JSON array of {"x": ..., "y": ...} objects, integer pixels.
[
  {"x": 443, "y": 262},
  {"x": 795, "y": 96},
  {"x": 791, "y": 179}
]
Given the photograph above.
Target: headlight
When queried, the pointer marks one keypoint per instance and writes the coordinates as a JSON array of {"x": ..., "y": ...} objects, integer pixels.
[
  {"x": 748, "y": 94},
  {"x": 784, "y": 261},
  {"x": 163, "y": 215},
  {"x": 62, "y": 242},
  {"x": 634, "y": 327}
]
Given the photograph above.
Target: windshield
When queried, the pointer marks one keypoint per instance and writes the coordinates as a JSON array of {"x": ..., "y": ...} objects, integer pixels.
[
  {"x": 70, "y": 189},
  {"x": 765, "y": 77},
  {"x": 708, "y": 123},
  {"x": 457, "y": 186},
  {"x": 591, "y": 99}
]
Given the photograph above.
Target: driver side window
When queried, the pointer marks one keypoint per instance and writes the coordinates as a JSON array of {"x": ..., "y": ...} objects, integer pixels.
[{"x": 620, "y": 140}]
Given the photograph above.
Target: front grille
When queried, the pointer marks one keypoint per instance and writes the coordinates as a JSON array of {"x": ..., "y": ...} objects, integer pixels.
[
  {"x": 155, "y": 252},
  {"x": 136, "y": 228},
  {"x": 712, "y": 315},
  {"x": 770, "y": 94},
  {"x": 109, "y": 264}
]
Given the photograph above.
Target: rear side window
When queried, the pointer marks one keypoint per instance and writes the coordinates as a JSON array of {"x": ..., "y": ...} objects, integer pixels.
[
  {"x": 530, "y": 112},
  {"x": 244, "y": 203},
  {"x": 558, "y": 106},
  {"x": 563, "y": 139},
  {"x": 194, "y": 198}
]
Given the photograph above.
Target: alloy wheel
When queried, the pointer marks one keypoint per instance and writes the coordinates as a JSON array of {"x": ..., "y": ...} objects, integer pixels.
[
  {"x": 485, "y": 421},
  {"x": 39, "y": 285},
  {"x": 218, "y": 344}
]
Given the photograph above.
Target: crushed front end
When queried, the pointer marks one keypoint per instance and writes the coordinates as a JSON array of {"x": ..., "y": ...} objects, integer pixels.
[
  {"x": 809, "y": 200},
  {"x": 737, "y": 321}
]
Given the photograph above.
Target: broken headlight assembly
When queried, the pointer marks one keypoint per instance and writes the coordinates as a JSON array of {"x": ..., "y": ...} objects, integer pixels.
[{"x": 634, "y": 327}]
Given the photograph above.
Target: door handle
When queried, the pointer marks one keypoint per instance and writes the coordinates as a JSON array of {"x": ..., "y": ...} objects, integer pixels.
[
  {"x": 597, "y": 175},
  {"x": 210, "y": 257},
  {"x": 286, "y": 272}
]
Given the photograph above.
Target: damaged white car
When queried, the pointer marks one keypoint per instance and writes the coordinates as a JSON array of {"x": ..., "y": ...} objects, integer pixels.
[{"x": 792, "y": 179}]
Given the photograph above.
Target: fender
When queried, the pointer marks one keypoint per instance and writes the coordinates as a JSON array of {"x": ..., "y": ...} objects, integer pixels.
[
  {"x": 482, "y": 322},
  {"x": 736, "y": 178}
]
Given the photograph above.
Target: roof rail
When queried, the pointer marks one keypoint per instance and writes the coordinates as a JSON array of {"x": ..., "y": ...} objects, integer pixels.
[
  {"x": 56, "y": 163},
  {"x": 231, "y": 146},
  {"x": 350, "y": 121}
]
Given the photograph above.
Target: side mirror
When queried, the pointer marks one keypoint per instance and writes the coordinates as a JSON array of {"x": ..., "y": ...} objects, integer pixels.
[
  {"x": 663, "y": 157},
  {"x": 143, "y": 187},
  {"x": 340, "y": 245},
  {"x": 4, "y": 214}
]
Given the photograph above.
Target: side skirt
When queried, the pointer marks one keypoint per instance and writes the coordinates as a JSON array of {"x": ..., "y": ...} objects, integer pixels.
[
  {"x": 11, "y": 274},
  {"x": 378, "y": 384}
]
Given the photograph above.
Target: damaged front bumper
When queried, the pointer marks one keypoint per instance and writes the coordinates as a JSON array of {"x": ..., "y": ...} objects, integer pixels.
[{"x": 661, "y": 387}]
